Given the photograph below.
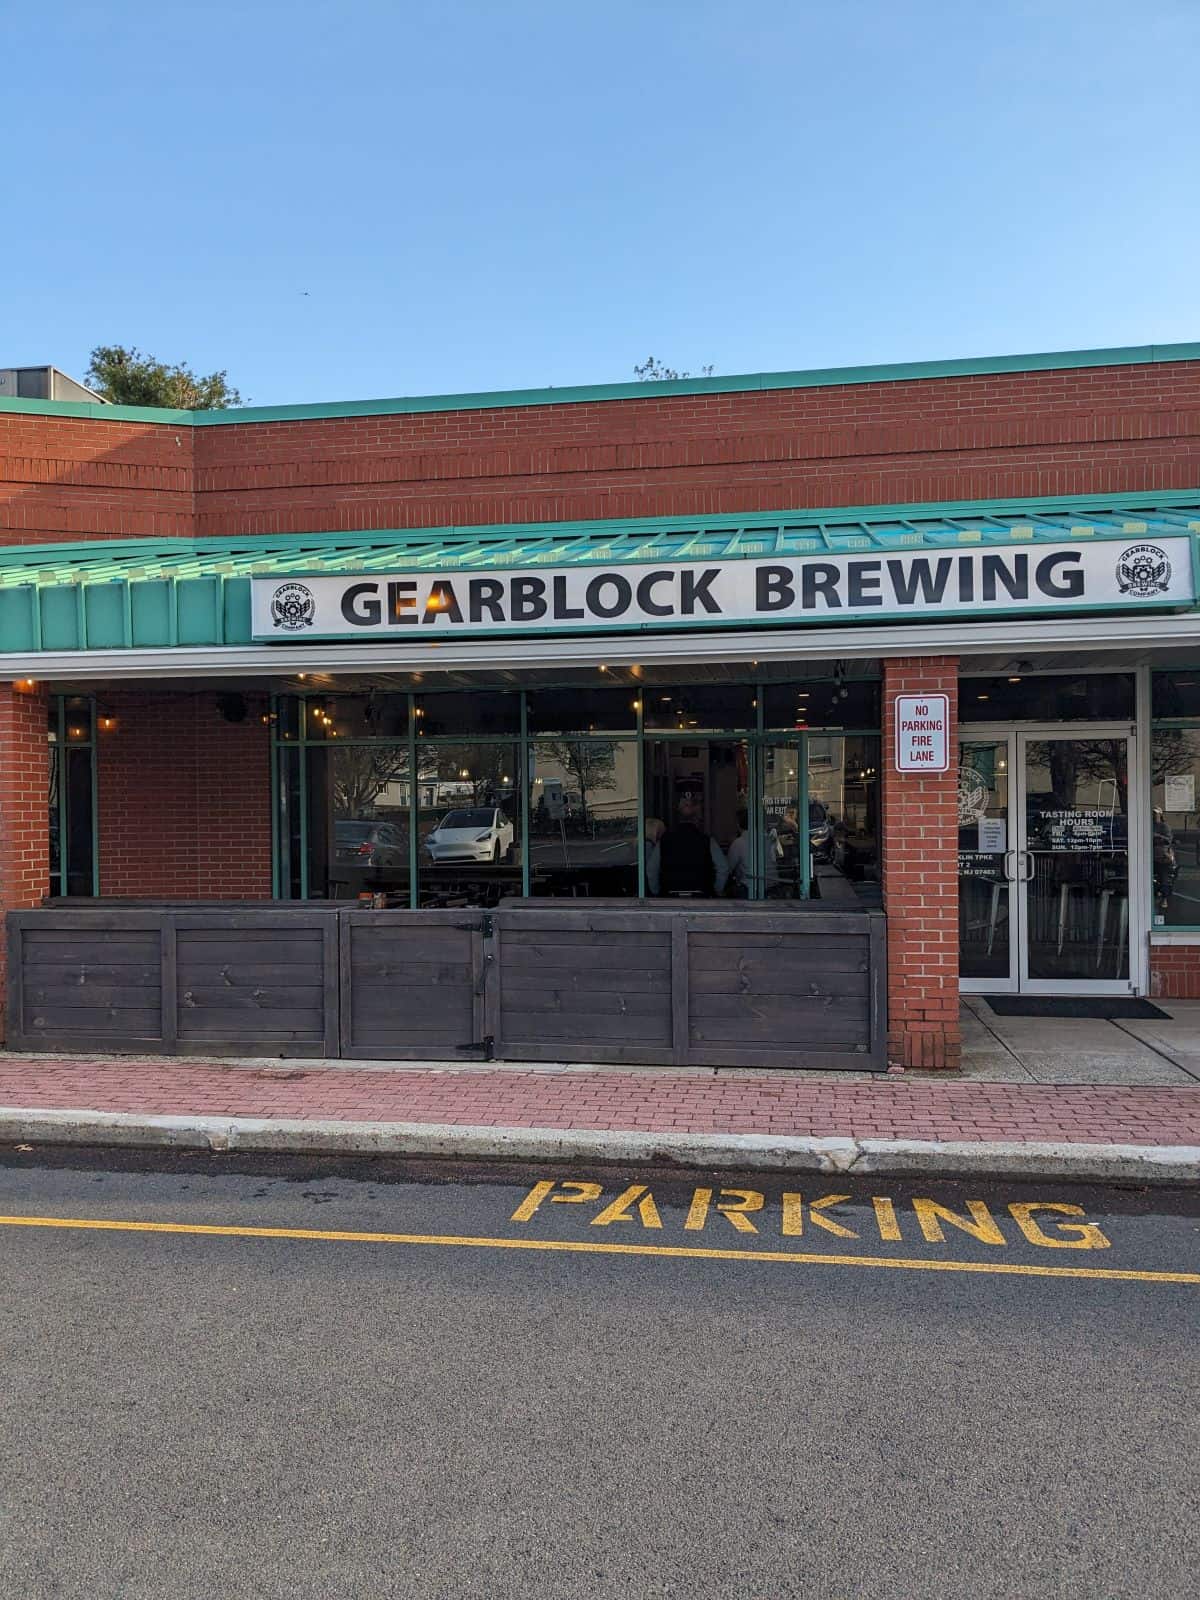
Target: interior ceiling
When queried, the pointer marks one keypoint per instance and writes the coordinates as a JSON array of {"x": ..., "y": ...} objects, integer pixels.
[
  {"x": 694, "y": 673},
  {"x": 534, "y": 678}
]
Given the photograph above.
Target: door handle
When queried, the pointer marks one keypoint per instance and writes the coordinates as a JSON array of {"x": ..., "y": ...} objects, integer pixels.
[
  {"x": 1008, "y": 874},
  {"x": 1029, "y": 864}
]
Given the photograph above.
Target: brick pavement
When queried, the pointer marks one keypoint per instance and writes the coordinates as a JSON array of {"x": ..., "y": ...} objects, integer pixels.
[{"x": 603, "y": 1098}]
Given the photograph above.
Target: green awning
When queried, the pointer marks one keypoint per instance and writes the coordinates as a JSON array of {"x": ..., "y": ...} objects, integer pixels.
[{"x": 159, "y": 594}]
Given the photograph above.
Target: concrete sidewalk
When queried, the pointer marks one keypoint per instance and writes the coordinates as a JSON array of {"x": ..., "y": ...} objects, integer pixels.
[
  {"x": 1142, "y": 1051},
  {"x": 1036, "y": 1098}
]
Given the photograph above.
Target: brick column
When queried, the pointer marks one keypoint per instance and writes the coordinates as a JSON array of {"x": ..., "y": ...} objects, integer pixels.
[
  {"x": 920, "y": 880},
  {"x": 24, "y": 807}
]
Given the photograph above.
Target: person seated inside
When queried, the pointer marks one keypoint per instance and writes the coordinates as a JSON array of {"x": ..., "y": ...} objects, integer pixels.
[
  {"x": 686, "y": 860},
  {"x": 739, "y": 859}
]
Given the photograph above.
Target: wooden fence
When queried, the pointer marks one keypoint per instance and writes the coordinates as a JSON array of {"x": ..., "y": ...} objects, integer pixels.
[{"x": 686, "y": 984}]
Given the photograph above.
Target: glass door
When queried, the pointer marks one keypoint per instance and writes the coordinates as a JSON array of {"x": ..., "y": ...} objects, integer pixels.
[
  {"x": 1074, "y": 861},
  {"x": 1046, "y": 840},
  {"x": 987, "y": 856}
]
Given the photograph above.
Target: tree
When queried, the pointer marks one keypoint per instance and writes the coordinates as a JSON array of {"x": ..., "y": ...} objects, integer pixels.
[
  {"x": 591, "y": 765},
  {"x": 361, "y": 773},
  {"x": 128, "y": 377},
  {"x": 653, "y": 371},
  {"x": 489, "y": 770}
]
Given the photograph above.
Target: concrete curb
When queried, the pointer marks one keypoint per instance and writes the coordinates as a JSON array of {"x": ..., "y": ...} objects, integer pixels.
[{"x": 1130, "y": 1163}]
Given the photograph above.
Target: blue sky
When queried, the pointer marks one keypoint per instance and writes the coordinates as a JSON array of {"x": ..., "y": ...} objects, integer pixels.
[{"x": 355, "y": 199}]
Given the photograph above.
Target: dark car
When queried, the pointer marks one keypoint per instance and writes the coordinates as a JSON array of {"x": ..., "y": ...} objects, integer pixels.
[{"x": 370, "y": 844}]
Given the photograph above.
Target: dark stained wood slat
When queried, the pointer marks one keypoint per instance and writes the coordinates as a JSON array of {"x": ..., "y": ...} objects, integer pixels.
[{"x": 48, "y": 996}]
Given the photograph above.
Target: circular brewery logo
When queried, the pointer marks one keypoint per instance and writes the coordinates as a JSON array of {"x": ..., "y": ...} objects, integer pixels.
[
  {"x": 974, "y": 791},
  {"x": 293, "y": 607},
  {"x": 1143, "y": 571}
]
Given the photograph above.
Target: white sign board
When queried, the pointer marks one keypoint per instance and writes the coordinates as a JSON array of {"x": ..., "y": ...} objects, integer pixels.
[
  {"x": 1180, "y": 791},
  {"x": 828, "y": 588},
  {"x": 993, "y": 834},
  {"x": 922, "y": 733}
]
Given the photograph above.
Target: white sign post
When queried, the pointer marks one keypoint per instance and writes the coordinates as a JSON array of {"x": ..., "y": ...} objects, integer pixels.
[{"x": 922, "y": 733}]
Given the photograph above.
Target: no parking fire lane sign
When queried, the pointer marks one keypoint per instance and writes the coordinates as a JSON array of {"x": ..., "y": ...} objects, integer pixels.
[{"x": 922, "y": 733}]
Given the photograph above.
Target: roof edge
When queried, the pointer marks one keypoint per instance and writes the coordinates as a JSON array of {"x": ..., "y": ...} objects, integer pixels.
[
  {"x": 1011, "y": 505},
  {"x": 582, "y": 394}
]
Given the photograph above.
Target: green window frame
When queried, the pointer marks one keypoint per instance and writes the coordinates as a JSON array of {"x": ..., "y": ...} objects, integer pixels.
[
  {"x": 68, "y": 713},
  {"x": 289, "y": 776},
  {"x": 1160, "y": 725}
]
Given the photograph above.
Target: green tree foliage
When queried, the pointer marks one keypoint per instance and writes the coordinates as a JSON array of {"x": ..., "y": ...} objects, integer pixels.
[
  {"x": 128, "y": 377},
  {"x": 653, "y": 371}
]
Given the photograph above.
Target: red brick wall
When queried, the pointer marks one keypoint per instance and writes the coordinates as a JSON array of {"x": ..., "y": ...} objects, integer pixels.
[
  {"x": 920, "y": 881},
  {"x": 72, "y": 478},
  {"x": 1175, "y": 971},
  {"x": 1087, "y": 430},
  {"x": 24, "y": 803},
  {"x": 184, "y": 798},
  {"x": 1070, "y": 432}
]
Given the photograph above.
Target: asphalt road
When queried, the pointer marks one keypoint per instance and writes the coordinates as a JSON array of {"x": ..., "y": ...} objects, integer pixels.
[{"x": 815, "y": 1414}]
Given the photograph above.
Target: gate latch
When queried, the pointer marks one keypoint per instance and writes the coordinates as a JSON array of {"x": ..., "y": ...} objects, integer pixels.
[{"x": 483, "y": 926}]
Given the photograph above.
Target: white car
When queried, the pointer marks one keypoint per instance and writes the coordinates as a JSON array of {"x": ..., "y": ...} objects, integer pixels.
[{"x": 476, "y": 833}]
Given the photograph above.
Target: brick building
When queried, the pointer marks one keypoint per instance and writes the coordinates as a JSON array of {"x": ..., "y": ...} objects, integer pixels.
[{"x": 468, "y": 650}]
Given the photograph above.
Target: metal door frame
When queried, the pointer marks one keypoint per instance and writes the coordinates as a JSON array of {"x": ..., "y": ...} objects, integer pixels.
[
  {"x": 1000, "y": 734},
  {"x": 1018, "y": 736}
]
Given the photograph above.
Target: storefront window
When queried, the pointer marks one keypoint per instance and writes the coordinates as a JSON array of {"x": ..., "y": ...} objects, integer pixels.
[
  {"x": 582, "y": 710},
  {"x": 822, "y": 703},
  {"x": 697, "y": 805},
  {"x": 1176, "y": 694},
  {"x": 583, "y": 818},
  {"x": 689, "y": 708},
  {"x": 71, "y": 735},
  {"x": 468, "y": 818},
  {"x": 1175, "y": 827},
  {"x": 356, "y": 716},
  {"x": 454, "y": 715},
  {"x": 1055, "y": 697},
  {"x": 358, "y": 822},
  {"x": 676, "y": 810},
  {"x": 843, "y": 818}
]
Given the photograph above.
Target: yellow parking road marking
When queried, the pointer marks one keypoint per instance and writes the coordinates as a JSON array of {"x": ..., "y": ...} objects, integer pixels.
[{"x": 596, "y": 1247}]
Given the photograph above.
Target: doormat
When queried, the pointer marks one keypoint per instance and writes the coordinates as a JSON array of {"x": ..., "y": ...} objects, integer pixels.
[{"x": 1104, "y": 1007}]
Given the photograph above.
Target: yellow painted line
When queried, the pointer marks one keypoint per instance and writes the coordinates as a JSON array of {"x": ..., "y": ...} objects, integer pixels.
[{"x": 608, "y": 1248}]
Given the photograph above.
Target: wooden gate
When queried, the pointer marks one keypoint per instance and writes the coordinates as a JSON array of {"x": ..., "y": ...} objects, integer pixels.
[
  {"x": 412, "y": 984},
  {"x": 687, "y": 984}
]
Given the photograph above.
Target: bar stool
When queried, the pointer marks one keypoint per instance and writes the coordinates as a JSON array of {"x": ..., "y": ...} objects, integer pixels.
[
  {"x": 1106, "y": 897},
  {"x": 1065, "y": 892},
  {"x": 999, "y": 888}
]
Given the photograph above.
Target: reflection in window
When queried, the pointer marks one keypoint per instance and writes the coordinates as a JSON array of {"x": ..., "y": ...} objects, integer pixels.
[
  {"x": 468, "y": 823},
  {"x": 843, "y": 819},
  {"x": 1175, "y": 827},
  {"x": 358, "y": 798},
  {"x": 583, "y": 818}
]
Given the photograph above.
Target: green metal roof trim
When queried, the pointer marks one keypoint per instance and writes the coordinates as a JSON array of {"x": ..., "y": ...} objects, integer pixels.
[
  {"x": 159, "y": 594},
  {"x": 820, "y": 377}
]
